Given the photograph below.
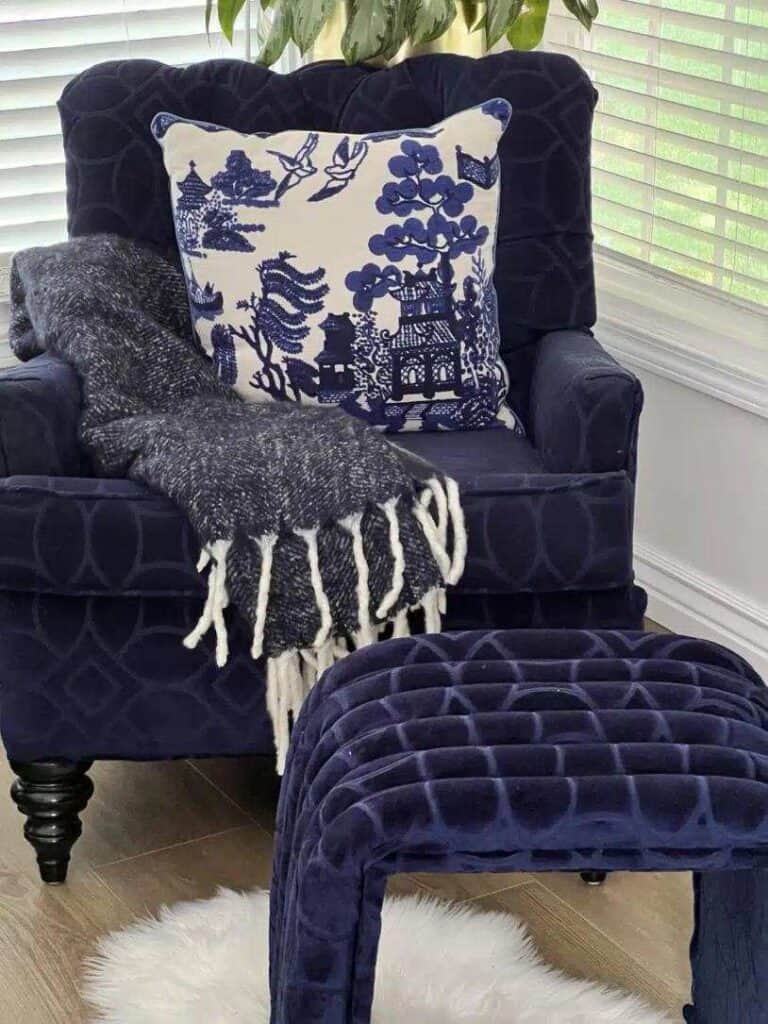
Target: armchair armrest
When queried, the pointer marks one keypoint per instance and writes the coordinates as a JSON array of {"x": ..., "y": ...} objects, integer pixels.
[
  {"x": 39, "y": 412},
  {"x": 584, "y": 406}
]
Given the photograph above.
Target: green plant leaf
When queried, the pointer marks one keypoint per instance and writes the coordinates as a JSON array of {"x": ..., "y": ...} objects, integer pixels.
[
  {"x": 433, "y": 17},
  {"x": 279, "y": 34},
  {"x": 401, "y": 26},
  {"x": 228, "y": 12},
  {"x": 580, "y": 9},
  {"x": 369, "y": 29},
  {"x": 499, "y": 17},
  {"x": 528, "y": 27},
  {"x": 307, "y": 18}
]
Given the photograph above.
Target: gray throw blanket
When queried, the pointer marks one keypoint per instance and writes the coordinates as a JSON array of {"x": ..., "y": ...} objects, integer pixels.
[{"x": 313, "y": 525}]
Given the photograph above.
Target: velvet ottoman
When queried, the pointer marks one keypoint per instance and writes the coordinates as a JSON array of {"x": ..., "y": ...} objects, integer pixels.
[{"x": 522, "y": 751}]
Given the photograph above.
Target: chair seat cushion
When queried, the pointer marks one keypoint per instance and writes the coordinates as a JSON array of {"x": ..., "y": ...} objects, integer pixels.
[{"x": 529, "y": 531}]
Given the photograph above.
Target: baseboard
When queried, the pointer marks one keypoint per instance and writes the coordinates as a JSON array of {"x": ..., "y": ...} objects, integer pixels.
[{"x": 687, "y": 601}]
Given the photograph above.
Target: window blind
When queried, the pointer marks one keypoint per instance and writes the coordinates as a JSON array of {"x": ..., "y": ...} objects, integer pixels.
[
  {"x": 680, "y": 150},
  {"x": 43, "y": 44}
]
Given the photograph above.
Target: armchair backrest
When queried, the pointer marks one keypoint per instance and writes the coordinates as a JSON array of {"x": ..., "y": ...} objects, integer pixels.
[{"x": 116, "y": 181}]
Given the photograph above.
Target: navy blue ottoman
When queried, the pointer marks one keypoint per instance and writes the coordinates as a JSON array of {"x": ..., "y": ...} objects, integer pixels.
[{"x": 522, "y": 751}]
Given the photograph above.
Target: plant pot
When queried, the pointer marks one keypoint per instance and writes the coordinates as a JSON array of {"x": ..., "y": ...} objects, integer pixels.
[{"x": 462, "y": 37}]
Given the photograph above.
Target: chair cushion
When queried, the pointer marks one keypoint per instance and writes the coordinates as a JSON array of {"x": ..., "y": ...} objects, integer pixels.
[
  {"x": 116, "y": 181},
  {"x": 529, "y": 531}
]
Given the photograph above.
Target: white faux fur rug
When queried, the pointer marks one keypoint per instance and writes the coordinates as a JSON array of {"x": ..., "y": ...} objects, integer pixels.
[{"x": 205, "y": 962}]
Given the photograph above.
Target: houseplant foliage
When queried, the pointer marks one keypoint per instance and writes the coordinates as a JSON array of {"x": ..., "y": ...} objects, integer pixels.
[{"x": 376, "y": 29}]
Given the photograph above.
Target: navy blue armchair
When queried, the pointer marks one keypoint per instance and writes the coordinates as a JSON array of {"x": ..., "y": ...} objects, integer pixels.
[{"x": 97, "y": 576}]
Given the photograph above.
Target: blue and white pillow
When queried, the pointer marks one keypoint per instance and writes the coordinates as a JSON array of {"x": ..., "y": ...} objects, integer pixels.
[{"x": 349, "y": 270}]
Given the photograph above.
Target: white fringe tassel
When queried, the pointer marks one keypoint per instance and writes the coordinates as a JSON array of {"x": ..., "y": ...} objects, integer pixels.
[
  {"x": 216, "y": 602},
  {"x": 432, "y": 534},
  {"x": 389, "y": 508},
  {"x": 365, "y": 634},
  {"x": 435, "y": 489},
  {"x": 431, "y": 606},
  {"x": 292, "y": 674},
  {"x": 266, "y": 547},
  {"x": 321, "y": 598},
  {"x": 459, "y": 531}
]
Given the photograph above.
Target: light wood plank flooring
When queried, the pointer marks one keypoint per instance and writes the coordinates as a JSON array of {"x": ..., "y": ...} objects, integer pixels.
[{"x": 158, "y": 833}]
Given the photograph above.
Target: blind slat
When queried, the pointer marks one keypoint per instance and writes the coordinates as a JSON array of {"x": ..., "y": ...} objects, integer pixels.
[
  {"x": 688, "y": 237},
  {"x": 567, "y": 42},
  {"x": 39, "y": 36},
  {"x": 734, "y": 28},
  {"x": 694, "y": 175},
  {"x": 34, "y": 180},
  {"x": 652, "y": 192},
  {"x": 696, "y": 147},
  {"x": 71, "y": 60},
  {"x": 660, "y": 255},
  {"x": 651, "y": 107},
  {"x": 43, "y": 43},
  {"x": 680, "y": 147},
  {"x": 608, "y": 38}
]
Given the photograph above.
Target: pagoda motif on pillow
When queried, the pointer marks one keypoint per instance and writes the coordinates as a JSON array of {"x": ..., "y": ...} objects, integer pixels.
[{"x": 354, "y": 271}]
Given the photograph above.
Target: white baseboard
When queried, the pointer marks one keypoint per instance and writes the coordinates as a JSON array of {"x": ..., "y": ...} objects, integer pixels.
[{"x": 687, "y": 601}]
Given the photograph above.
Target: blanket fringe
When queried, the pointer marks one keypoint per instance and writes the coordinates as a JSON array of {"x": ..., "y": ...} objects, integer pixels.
[
  {"x": 292, "y": 674},
  {"x": 321, "y": 598},
  {"x": 216, "y": 602},
  {"x": 366, "y": 634},
  {"x": 389, "y": 508},
  {"x": 266, "y": 546}
]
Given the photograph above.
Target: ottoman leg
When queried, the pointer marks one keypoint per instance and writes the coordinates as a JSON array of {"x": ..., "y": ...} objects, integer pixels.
[
  {"x": 324, "y": 941},
  {"x": 594, "y": 877},
  {"x": 52, "y": 794},
  {"x": 729, "y": 950}
]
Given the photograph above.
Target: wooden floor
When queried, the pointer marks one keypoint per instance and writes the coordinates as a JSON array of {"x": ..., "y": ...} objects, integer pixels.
[{"x": 158, "y": 833}]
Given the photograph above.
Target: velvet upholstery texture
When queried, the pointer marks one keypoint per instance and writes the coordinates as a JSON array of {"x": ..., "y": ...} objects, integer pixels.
[
  {"x": 527, "y": 532},
  {"x": 39, "y": 413},
  {"x": 107, "y": 677},
  {"x": 517, "y": 750},
  {"x": 97, "y": 579}
]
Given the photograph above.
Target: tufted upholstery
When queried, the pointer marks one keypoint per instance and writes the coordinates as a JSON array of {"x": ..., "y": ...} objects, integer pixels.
[
  {"x": 116, "y": 181},
  {"x": 511, "y": 751}
]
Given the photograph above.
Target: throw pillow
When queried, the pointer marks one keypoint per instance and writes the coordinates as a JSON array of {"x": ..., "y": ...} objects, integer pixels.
[{"x": 350, "y": 270}]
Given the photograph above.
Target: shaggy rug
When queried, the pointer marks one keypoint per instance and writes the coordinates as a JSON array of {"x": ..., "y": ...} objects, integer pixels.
[{"x": 205, "y": 962}]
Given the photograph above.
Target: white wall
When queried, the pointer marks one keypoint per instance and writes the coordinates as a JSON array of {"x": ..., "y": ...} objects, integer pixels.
[{"x": 702, "y": 514}]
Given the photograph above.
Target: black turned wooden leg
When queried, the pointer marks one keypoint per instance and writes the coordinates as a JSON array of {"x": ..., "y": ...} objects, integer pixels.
[
  {"x": 51, "y": 794},
  {"x": 594, "y": 877}
]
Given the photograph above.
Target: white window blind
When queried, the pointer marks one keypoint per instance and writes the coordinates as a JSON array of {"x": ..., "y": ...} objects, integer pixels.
[
  {"x": 43, "y": 44},
  {"x": 680, "y": 150}
]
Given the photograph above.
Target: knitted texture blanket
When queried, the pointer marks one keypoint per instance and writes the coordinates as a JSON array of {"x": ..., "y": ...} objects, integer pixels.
[{"x": 314, "y": 526}]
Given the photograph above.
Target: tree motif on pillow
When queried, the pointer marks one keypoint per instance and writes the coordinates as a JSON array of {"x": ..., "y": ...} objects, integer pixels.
[{"x": 347, "y": 270}]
